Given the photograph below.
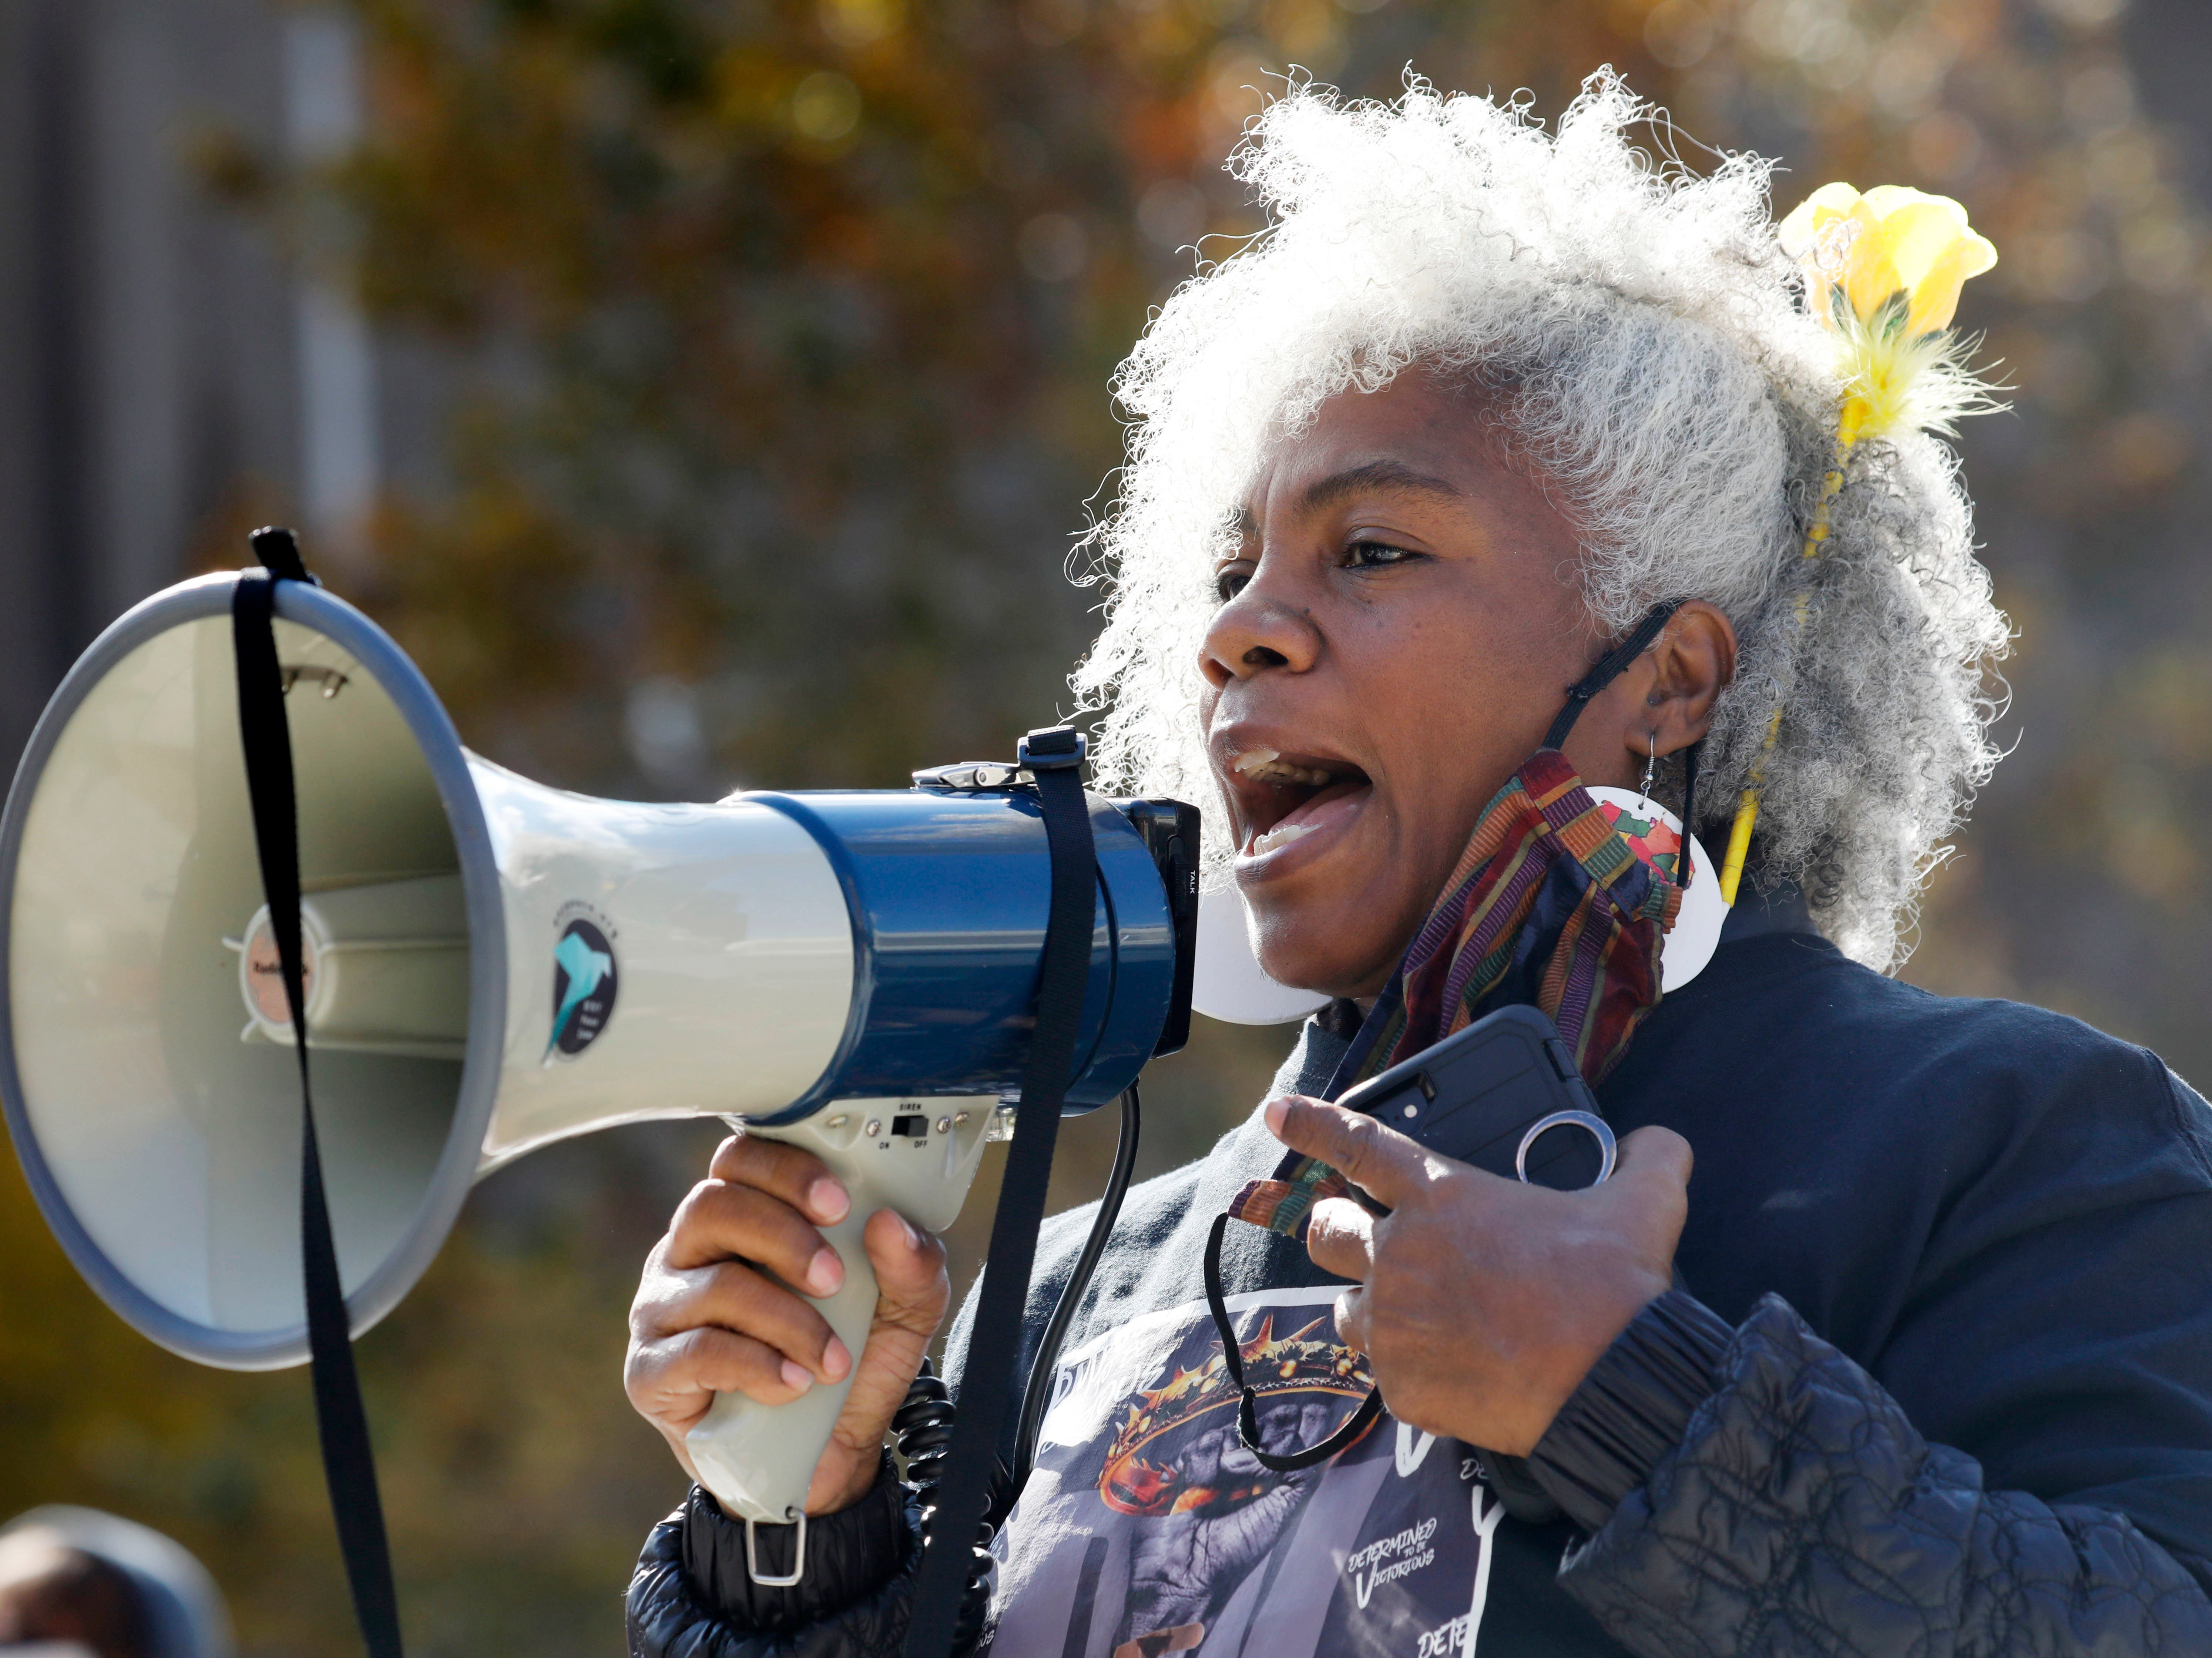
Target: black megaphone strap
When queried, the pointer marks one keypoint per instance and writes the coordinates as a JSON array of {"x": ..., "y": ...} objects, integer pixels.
[
  {"x": 341, "y": 1421},
  {"x": 987, "y": 1382}
]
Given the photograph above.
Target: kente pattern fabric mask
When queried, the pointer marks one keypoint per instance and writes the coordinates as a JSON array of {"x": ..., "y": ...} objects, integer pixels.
[{"x": 1548, "y": 907}]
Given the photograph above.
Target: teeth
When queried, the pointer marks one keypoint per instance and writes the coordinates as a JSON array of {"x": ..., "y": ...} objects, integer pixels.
[
  {"x": 1267, "y": 766},
  {"x": 1276, "y": 838}
]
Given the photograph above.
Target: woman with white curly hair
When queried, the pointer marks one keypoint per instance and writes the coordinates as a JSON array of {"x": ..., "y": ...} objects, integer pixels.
[{"x": 1508, "y": 487}]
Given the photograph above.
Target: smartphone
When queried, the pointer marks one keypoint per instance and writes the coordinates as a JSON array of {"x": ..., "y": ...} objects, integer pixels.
[
  {"x": 1485, "y": 1096},
  {"x": 1476, "y": 1095}
]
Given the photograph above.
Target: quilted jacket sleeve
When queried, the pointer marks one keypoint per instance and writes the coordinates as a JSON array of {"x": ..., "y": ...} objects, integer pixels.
[
  {"x": 1799, "y": 1512},
  {"x": 692, "y": 1597}
]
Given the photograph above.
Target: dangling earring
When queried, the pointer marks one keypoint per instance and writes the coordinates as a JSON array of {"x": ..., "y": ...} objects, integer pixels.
[{"x": 1651, "y": 765}]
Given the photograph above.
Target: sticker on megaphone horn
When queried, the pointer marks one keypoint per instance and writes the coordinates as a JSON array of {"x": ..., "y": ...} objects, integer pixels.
[{"x": 584, "y": 980}]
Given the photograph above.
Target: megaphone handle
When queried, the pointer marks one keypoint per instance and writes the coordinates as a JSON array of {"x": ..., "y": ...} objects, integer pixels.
[{"x": 757, "y": 1459}]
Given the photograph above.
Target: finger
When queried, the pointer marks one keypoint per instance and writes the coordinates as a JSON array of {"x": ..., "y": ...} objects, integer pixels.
[
  {"x": 1352, "y": 1319},
  {"x": 1341, "y": 1238},
  {"x": 1378, "y": 1159},
  {"x": 719, "y": 1219},
  {"x": 673, "y": 1380},
  {"x": 733, "y": 1297},
  {"x": 798, "y": 1177}
]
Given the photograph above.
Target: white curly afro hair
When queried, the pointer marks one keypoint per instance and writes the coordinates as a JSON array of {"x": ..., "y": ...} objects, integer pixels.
[{"x": 1654, "y": 358}]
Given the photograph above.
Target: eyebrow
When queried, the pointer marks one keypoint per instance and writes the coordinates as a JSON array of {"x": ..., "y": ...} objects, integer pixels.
[
  {"x": 1327, "y": 492},
  {"x": 1390, "y": 475}
]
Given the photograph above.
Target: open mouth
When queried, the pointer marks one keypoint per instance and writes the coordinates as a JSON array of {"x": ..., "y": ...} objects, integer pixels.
[{"x": 1284, "y": 798}]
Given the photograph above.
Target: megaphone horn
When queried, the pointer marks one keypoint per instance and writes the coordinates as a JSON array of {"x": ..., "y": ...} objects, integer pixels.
[{"x": 489, "y": 965}]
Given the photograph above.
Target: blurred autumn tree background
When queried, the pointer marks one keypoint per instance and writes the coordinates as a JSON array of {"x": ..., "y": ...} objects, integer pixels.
[{"x": 752, "y": 356}]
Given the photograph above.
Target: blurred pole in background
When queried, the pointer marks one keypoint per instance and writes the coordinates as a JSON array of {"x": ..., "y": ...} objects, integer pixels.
[
  {"x": 42, "y": 416},
  {"x": 161, "y": 383},
  {"x": 338, "y": 446}
]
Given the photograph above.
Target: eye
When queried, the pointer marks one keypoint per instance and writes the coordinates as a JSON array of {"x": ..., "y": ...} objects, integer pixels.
[
  {"x": 1232, "y": 579},
  {"x": 1376, "y": 556}
]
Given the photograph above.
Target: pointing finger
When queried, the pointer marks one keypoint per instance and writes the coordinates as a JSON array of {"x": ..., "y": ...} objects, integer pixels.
[{"x": 1373, "y": 1157}]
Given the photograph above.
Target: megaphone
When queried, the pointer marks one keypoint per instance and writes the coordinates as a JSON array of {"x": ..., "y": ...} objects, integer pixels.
[{"x": 492, "y": 965}]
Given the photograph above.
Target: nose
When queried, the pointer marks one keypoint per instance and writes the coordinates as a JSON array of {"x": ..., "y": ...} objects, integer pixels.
[{"x": 1257, "y": 630}]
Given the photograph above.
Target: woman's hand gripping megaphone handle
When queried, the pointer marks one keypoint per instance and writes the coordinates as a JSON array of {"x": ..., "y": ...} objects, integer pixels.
[
  {"x": 754, "y": 1382},
  {"x": 759, "y": 1458}
]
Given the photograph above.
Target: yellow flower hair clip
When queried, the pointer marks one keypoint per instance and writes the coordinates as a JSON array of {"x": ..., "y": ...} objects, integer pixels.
[
  {"x": 1883, "y": 271},
  {"x": 1882, "y": 274}
]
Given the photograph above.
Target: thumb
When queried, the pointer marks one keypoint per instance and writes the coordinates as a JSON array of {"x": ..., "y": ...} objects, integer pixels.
[
  {"x": 910, "y": 1297},
  {"x": 1650, "y": 1185},
  {"x": 910, "y": 1265},
  {"x": 1655, "y": 1154}
]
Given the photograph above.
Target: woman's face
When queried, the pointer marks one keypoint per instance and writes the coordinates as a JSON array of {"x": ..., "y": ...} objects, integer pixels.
[{"x": 1396, "y": 632}]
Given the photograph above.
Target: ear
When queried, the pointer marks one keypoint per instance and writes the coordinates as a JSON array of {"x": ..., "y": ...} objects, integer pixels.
[
  {"x": 1661, "y": 702},
  {"x": 1691, "y": 665}
]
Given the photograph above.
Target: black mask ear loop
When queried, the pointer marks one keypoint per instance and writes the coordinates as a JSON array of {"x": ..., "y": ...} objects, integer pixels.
[{"x": 1607, "y": 669}]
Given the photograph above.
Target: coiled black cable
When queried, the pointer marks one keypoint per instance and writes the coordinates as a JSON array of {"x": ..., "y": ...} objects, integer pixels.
[
  {"x": 924, "y": 1427},
  {"x": 924, "y": 1423}
]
